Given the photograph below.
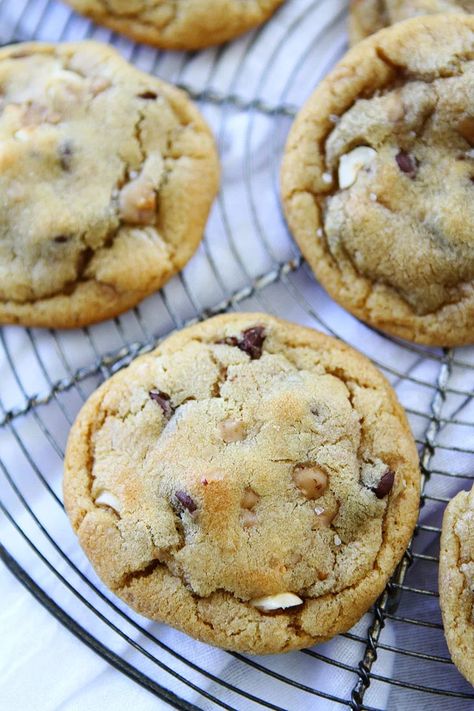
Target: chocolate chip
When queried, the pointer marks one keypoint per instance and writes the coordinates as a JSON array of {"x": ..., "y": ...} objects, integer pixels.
[
  {"x": 186, "y": 501},
  {"x": 407, "y": 164},
  {"x": 251, "y": 341},
  {"x": 61, "y": 239},
  {"x": 163, "y": 400},
  {"x": 148, "y": 95},
  {"x": 65, "y": 155},
  {"x": 385, "y": 484}
]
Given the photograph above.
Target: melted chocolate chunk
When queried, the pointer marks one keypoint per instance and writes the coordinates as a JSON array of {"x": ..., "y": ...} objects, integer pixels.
[
  {"x": 385, "y": 484},
  {"x": 61, "y": 239},
  {"x": 251, "y": 341},
  {"x": 407, "y": 164},
  {"x": 163, "y": 400},
  {"x": 148, "y": 95},
  {"x": 186, "y": 501}
]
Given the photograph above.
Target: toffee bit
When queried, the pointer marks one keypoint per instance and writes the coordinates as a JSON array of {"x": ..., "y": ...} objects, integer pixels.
[
  {"x": 163, "y": 400},
  {"x": 186, "y": 501}
]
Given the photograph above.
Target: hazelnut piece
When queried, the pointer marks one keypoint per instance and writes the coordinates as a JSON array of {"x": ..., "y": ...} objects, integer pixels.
[{"x": 311, "y": 479}]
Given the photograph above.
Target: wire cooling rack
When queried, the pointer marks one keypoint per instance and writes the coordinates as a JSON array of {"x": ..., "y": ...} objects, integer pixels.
[{"x": 396, "y": 656}]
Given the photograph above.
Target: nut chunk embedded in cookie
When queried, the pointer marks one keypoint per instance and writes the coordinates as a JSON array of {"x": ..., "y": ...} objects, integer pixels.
[
  {"x": 107, "y": 176},
  {"x": 251, "y": 482},
  {"x": 378, "y": 180}
]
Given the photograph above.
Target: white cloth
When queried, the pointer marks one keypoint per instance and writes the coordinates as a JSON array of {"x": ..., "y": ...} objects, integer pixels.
[{"x": 42, "y": 665}]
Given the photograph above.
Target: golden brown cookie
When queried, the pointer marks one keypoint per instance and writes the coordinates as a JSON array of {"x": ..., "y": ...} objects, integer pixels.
[
  {"x": 251, "y": 482},
  {"x": 369, "y": 16},
  {"x": 378, "y": 180},
  {"x": 107, "y": 176},
  {"x": 456, "y": 581},
  {"x": 178, "y": 24}
]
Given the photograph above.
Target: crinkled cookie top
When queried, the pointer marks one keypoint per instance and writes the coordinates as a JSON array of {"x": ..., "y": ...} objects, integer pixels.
[
  {"x": 98, "y": 171},
  {"x": 378, "y": 180},
  {"x": 402, "y": 212},
  {"x": 243, "y": 461}
]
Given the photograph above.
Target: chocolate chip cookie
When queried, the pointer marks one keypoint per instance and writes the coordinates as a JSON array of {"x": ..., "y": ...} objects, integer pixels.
[
  {"x": 456, "y": 581},
  {"x": 251, "y": 482},
  {"x": 369, "y": 16},
  {"x": 107, "y": 176},
  {"x": 378, "y": 180},
  {"x": 178, "y": 24}
]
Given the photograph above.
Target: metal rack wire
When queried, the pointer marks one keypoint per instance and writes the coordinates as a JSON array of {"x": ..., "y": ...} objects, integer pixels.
[{"x": 249, "y": 91}]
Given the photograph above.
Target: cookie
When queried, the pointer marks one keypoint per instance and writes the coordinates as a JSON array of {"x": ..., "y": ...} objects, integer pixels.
[
  {"x": 378, "y": 180},
  {"x": 251, "y": 482},
  {"x": 456, "y": 581},
  {"x": 178, "y": 24},
  {"x": 107, "y": 176},
  {"x": 369, "y": 16}
]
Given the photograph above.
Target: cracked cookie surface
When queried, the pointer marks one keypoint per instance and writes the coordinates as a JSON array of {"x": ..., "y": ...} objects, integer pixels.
[
  {"x": 369, "y": 16},
  {"x": 456, "y": 581},
  {"x": 107, "y": 175},
  {"x": 251, "y": 482},
  {"x": 178, "y": 24},
  {"x": 378, "y": 180}
]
